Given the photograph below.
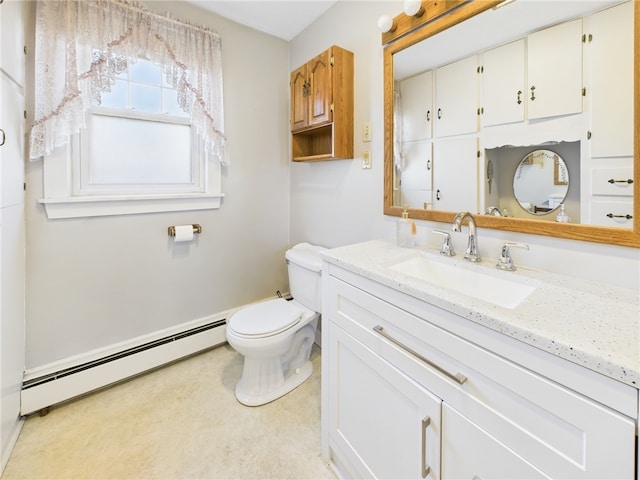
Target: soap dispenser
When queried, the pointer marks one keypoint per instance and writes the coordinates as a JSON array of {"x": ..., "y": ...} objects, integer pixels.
[
  {"x": 562, "y": 217},
  {"x": 406, "y": 230}
]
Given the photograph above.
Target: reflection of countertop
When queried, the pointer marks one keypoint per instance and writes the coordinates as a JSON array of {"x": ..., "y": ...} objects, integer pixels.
[{"x": 592, "y": 324}]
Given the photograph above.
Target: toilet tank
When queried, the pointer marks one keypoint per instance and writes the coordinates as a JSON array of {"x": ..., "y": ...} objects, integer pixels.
[{"x": 305, "y": 274}]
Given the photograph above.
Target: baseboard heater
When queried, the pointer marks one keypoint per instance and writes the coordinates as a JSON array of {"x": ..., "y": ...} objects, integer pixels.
[{"x": 39, "y": 392}]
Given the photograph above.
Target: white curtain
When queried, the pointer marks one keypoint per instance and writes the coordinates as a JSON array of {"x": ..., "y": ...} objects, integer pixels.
[{"x": 82, "y": 45}]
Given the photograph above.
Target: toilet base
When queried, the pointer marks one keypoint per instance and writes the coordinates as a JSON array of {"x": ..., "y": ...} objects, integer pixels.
[{"x": 293, "y": 380}]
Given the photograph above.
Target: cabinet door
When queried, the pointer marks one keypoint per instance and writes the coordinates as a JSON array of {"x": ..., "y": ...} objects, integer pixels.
[
  {"x": 610, "y": 47},
  {"x": 455, "y": 174},
  {"x": 470, "y": 452},
  {"x": 299, "y": 94},
  {"x": 319, "y": 71},
  {"x": 12, "y": 140},
  {"x": 503, "y": 84},
  {"x": 555, "y": 71},
  {"x": 416, "y": 183},
  {"x": 416, "y": 106},
  {"x": 12, "y": 58},
  {"x": 383, "y": 424},
  {"x": 457, "y": 97}
]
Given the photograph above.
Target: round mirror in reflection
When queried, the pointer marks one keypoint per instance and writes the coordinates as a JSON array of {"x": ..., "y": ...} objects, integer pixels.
[{"x": 541, "y": 182}]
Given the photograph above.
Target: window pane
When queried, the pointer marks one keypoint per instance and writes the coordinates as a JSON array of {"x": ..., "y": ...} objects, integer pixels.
[
  {"x": 170, "y": 104},
  {"x": 117, "y": 98},
  {"x": 145, "y": 98},
  {"x": 125, "y": 151},
  {"x": 144, "y": 71}
]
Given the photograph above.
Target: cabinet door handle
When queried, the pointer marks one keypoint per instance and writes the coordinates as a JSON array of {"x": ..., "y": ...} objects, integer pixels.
[
  {"x": 426, "y": 469},
  {"x": 458, "y": 377},
  {"x": 533, "y": 94},
  {"x": 4, "y": 137},
  {"x": 518, "y": 99},
  {"x": 428, "y": 115},
  {"x": 439, "y": 113}
]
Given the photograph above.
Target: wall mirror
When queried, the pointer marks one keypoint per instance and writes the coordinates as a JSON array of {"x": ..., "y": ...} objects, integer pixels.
[{"x": 474, "y": 33}]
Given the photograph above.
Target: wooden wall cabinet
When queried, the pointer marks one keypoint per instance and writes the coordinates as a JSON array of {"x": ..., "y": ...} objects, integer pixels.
[{"x": 322, "y": 107}]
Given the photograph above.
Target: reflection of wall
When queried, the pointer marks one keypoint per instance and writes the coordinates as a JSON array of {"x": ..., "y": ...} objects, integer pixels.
[{"x": 505, "y": 163}]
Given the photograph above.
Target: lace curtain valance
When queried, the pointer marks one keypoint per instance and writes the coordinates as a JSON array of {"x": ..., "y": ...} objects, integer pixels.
[{"x": 82, "y": 45}]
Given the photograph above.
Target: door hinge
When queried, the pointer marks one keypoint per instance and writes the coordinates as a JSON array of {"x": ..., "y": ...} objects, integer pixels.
[
  {"x": 331, "y": 107},
  {"x": 332, "y": 60},
  {"x": 584, "y": 91}
]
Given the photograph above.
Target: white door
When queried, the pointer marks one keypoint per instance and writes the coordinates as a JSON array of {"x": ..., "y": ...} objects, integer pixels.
[
  {"x": 610, "y": 47},
  {"x": 416, "y": 104},
  {"x": 471, "y": 453},
  {"x": 555, "y": 80},
  {"x": 457, "y": 97},
  {"x": 503, "y": 84},
  {"x": 415, "y": 176},
  {"x": 455, "y": 174},
  {"x": 386, "y": 424}
]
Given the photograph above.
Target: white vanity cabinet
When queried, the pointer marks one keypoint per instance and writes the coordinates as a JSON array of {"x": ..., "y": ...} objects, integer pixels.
[
  {"x": 456, "y": 98},
  {"x": 554, "y": 82},
  {"x": 413, "y": 391}
]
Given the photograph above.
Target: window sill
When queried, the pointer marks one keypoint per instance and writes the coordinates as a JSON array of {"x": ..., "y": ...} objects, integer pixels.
[{"x": 77, "y": 207}]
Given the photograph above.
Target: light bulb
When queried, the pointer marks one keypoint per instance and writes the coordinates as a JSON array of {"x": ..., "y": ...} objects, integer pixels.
[
  {"x": 385, "y": 23},
  {"x": 413, "y": 7}
]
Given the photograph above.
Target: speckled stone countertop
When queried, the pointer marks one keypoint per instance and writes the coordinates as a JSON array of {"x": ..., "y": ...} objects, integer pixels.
[{"x": 595, "y": 325}]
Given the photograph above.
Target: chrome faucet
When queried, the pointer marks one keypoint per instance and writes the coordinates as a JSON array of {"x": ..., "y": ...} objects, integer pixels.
[{"x": 471, "y": 253}]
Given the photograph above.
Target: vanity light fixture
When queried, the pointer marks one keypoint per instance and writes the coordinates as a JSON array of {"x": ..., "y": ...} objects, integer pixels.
[
  {"x": 413, "y": 8},
  {"x": 386, "y": 23}
]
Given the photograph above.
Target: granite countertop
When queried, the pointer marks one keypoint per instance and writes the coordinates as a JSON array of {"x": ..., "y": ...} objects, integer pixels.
[{"x": 592, "y": 324}]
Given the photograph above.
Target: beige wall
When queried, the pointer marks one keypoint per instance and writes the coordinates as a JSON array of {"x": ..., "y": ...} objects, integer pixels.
[{"x": 99, "y": 281}]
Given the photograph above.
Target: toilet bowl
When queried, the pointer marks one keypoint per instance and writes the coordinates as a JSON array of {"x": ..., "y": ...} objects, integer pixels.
[{"x": 276, "y": 336}]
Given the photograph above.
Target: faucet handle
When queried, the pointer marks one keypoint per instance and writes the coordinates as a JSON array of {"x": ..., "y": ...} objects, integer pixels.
[
  {"x": 505, "y": 262},
  {"x": 447, "y": 246}
]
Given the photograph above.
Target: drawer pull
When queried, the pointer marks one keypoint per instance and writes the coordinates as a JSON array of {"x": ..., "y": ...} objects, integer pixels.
[
  {"x": 458, "y": 377},
  {"x": 627, "y": 216},
  {"x": 426, "y": 469},
  {"x": 612, "y": 180}
]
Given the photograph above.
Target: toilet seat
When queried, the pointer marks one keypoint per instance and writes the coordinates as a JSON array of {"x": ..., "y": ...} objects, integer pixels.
[{"x": 265, "y": 319}]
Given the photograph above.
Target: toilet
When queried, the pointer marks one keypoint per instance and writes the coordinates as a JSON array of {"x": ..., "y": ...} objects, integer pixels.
[{"x": 275, "y": 336}]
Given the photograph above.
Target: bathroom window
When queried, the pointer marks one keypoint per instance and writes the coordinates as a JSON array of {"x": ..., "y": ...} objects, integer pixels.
[
  {"x": 128, "y": 116},
  {"x": 139, "y": 141}
]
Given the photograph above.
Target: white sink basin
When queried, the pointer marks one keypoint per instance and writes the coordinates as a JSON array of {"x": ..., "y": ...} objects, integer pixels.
[{"x": 505, "y": 289}]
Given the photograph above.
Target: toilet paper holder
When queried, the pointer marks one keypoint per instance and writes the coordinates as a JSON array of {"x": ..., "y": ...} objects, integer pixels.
[{"x": 196, "y": 229}]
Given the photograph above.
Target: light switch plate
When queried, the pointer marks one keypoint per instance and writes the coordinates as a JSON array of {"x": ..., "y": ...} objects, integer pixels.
[
  {"x": 366, "y": 132},
  {"x": 366, "y": 159}
]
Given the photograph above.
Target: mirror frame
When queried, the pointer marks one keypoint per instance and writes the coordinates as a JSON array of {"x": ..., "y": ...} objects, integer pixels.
[{"x": 410, "y": 30}]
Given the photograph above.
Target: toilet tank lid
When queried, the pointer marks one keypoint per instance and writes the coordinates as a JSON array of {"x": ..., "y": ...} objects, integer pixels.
[{"x": 306, "y": 255}]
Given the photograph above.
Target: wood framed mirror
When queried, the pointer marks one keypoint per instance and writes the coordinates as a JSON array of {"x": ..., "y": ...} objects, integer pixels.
[{"x": 448, "y": 19}]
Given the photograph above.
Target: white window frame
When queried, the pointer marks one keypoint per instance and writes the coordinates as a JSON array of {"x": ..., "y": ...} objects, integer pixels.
[{"x": 69, "y": 194}]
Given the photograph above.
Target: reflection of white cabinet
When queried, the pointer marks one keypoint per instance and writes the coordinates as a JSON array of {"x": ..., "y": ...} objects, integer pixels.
[
  {"x": 455, "y": 174},
  {"x": 503, "y": 84},
  {"x": 554, "y": 76},
  {"x": 457, "y": 97},
  {"x": 409, "y": 388},
  {"x": 416, "y": 104},
  {"x": 610, "y": 47},
  {"x": 415, "y": 175}
]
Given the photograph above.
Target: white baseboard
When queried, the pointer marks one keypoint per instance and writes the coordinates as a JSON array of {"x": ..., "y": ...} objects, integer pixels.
[{"x": 59, "y": 381}]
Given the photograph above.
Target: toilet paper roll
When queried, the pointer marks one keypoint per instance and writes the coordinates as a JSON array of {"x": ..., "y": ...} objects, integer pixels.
[{"x": 184, "y": 233}]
